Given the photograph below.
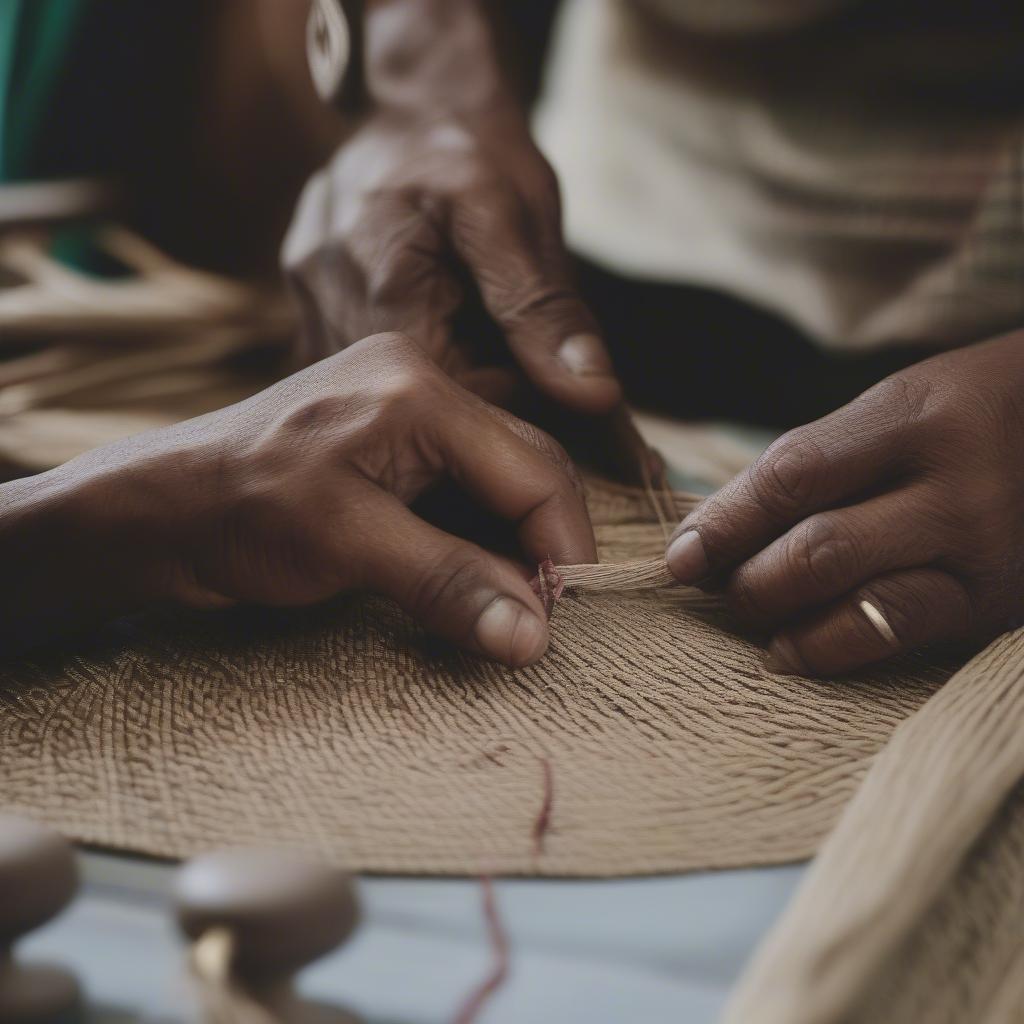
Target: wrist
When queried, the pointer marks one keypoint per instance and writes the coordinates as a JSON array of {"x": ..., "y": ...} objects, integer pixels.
[
  {"x": 71, "y": 557},
  {"x": 434, "y": 56}
]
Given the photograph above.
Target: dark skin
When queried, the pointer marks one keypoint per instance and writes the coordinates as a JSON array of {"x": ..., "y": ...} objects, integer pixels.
[
  {"x": 908, "y": 497},
  {"x": 442, "y": 178},
  {"x": 301, "y": 492},
  {"x": 297, "y": 494}
]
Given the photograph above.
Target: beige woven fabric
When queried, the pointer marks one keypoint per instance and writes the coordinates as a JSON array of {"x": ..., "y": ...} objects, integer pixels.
[
  {"x": 649, "y": 739},
  {"x": 914, "y": 908},
  {"x": 667, "y": 744}
]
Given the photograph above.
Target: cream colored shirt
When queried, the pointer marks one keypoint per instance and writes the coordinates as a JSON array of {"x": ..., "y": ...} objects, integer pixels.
[{"x": 860, "y": 177}]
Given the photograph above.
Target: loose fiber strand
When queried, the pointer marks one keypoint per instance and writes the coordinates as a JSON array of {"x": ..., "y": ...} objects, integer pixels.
[{"x": 643, "y": 574}]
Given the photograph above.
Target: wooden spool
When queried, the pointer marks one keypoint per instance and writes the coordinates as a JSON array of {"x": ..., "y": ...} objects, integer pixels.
[
  {"x": 37, "y": 880},
  {"x": 256, "y": 918}
]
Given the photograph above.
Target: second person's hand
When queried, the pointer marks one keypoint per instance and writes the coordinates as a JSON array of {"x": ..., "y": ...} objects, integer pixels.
[
  {"x": 383, "y": 234},
  {"x": 891, "y": 523}
]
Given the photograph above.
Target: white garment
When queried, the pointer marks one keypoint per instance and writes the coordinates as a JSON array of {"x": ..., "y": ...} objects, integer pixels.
[{"x": 840, "y": 173}]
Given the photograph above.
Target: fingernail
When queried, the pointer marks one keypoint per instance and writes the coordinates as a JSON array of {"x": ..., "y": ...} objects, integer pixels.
[
  {"x": 510, "y": 632},
  {"x": 585, "y": 356},
  {"x": 686, "y": 558},
  {"x": 782, "y": 658}
]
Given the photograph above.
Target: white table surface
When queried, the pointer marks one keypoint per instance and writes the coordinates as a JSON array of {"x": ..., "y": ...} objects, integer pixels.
[{"x": 636, "y": 951}]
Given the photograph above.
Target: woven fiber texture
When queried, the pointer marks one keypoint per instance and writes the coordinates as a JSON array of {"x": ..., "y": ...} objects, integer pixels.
[
  {"x": 913, "y": 910},
  {"x": 649, "y": 739}
]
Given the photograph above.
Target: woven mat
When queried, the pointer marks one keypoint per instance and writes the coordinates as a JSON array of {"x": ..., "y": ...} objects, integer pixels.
[
  {"x": 912, "y": 911},
  {"x": 649, "y": 739}
]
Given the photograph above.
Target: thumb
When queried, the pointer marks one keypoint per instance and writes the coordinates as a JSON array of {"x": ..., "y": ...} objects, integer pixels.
[
  {"x": 549, "y": 329},
  {"x": 459, "y": 591}
]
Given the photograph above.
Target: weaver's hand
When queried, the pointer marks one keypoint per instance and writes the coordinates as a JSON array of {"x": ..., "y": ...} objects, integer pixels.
[
  {"x": 297, "y": 494},
  {"x": 910, "y": 499},
  {"x": 381, "y": 236}
]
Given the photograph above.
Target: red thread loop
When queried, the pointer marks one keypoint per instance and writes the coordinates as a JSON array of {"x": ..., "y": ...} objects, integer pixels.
[{"x": 548, "y": 585}]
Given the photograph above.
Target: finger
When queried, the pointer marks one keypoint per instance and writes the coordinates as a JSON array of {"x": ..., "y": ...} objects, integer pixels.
[
  {"x": 398, "y": 254},
  {"x": 897, "y": 612},
  {"x": 475, "y": 599},
  {"x": 523, "y": 475},
  {"x": 305, "y": 234},
  {"x": 548, "y": 328},
  {"x": 830, "y": 553},
  {"x": 309, "y": 222},
  {"x": 810, "y": 469}
]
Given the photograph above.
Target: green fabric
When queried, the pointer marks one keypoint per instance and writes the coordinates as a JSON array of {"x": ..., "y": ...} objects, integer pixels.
[
  {"x": 35, "y": 36},
  {"x": 75, "y": 245}
]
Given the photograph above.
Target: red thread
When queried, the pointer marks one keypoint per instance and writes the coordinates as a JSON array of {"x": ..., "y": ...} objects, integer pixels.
[
  {"x": 499, "y": 970},
  {"x": 543, "y": 821},
  {"x": 548, "y": 585}
]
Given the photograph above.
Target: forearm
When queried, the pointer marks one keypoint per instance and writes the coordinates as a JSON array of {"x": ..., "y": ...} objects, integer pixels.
[
  {"x": 67, "y": 564},
  {"x": 439, "y": 56}
]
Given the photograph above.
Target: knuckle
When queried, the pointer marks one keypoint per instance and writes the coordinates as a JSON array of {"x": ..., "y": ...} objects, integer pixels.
[
  {"x": 902, "y": 400},
  {"x": 906, "y": 393},
  {"x": 824, "y": 552},
  {"x": 401, "y": 391},
  {"x": 541, "y": 440},
  {"x": 787, "y": 477},
  {"x": 566, "y": 472},
  {"x": 398, "y": 346},
  {"x": 535, "y": 299},
  {"x": 545, "y": 445}
]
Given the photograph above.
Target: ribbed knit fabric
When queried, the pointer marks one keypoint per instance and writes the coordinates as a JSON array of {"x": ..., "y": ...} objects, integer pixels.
[
  {"x": 913, "y": 909},
  {"x": 651, "y": 733}
]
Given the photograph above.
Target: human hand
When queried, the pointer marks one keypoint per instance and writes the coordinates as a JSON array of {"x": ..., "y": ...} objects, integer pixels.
[
  {"x": 910, "y": 498},
  {"x": 383, "y": 236},
  {"x": 300, "y": 493}
]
